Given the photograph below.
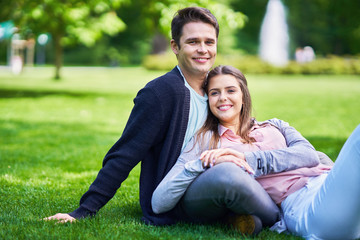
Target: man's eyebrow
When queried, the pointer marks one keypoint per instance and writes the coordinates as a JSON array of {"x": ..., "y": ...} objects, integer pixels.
[
  {"x": 211, "y": 39},
  {"x": 196, "y": 39},
  {"x": 192, "y": 39}
]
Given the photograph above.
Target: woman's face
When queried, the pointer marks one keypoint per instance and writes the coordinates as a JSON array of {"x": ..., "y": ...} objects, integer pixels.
[{"x": 225, "y": 99}]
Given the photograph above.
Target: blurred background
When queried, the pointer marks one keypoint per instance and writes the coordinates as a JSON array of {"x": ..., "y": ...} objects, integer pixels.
[
  {"x": 257, "y": 36},
  {"x": 301, "y": 59}
]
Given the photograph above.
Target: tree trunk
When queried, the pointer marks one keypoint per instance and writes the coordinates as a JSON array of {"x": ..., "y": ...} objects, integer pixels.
[{"x": 58, "y": 56}]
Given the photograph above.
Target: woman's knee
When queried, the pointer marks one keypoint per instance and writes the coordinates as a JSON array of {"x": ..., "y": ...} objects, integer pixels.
[{"x": 227, "y": 177}]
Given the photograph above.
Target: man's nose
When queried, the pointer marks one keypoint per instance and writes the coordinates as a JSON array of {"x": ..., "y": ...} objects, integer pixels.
[{"x": 202, "y": 48}]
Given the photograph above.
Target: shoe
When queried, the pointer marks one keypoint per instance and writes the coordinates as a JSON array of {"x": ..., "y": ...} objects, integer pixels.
[{"x": 246, "y": 224}]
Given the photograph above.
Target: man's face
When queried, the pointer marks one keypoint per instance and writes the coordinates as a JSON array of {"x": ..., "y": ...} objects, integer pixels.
[{"x": 197, "y": 50}]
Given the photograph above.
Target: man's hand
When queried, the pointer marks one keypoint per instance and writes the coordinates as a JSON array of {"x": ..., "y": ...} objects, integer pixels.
[{"x": 61, "y": 217}]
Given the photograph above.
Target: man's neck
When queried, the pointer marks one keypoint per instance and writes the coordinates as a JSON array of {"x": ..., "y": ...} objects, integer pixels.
[{"x": 195, "y": 82}]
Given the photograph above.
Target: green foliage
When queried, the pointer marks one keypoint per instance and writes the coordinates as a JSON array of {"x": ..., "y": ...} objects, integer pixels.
[
  {"x": 53, "y": 138},
  {"x": 74, "y": 21},
  {"x": 252, "y": 64},
  {"x": 229, "y": 19},
  {"x": 330, "y": 27},
  {"x": 165, "y": 61},
  {"x": 248, "y": 37},
  {"x": 225, "y": 15},
  {"x": 68, "y": 22}
]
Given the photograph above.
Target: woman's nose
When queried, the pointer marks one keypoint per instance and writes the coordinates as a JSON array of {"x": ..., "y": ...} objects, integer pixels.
[{"x": 223, "y": 97}]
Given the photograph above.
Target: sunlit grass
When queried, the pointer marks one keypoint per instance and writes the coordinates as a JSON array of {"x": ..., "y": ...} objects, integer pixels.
[{"x": 53, "y": 136}]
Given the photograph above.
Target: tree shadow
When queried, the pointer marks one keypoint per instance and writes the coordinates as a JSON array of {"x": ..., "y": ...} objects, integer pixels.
[
  {"x": 31, "y": 93},
  {"x": 327, "y": 145}
]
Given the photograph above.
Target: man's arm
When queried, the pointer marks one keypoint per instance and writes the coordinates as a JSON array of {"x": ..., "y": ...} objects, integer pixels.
[
  {"x": 142, "y": 131},
  {"x": 299, "y": 153}
]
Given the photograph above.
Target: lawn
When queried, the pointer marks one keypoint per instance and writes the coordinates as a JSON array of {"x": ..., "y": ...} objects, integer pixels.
[{"x": 53, "y": 136}]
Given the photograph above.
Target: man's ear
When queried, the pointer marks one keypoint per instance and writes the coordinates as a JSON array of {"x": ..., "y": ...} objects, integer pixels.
[{"x": 174, "y": 46}]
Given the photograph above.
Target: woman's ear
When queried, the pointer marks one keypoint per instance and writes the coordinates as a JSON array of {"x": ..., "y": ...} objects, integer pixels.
[{"x": 174, "y": 46}]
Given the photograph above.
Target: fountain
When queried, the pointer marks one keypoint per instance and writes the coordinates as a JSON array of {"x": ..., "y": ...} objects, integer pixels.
[{"x": 274, "y": 38}]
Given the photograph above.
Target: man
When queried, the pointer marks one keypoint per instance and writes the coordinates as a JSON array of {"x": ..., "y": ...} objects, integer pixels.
[{"x": 167, "y": 113}]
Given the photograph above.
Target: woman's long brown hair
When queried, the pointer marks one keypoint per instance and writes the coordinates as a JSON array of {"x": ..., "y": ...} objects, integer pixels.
[{"x": 211, "y": 122}]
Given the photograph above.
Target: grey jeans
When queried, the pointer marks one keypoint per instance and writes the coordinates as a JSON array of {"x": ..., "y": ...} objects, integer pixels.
[{"x": 222, "y": 190}]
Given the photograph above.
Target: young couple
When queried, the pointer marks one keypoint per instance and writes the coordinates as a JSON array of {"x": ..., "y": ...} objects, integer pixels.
[{"x": 221, "y": 165}]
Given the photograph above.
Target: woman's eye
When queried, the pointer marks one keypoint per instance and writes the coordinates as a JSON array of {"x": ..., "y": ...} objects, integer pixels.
[{"x": 213, "y": 93}]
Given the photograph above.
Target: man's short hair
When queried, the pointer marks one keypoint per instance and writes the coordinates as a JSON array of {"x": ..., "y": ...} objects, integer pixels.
[{"x": 191, "y": 14}]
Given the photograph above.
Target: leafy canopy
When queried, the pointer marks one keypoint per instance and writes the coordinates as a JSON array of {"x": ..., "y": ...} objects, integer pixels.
[{"x": 72, "y": 20}]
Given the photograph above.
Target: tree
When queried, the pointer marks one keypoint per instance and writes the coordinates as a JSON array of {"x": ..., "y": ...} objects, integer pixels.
[
  {"x": 229, "y": 19},
  {"x": 149, "y": 21},
  {"x": 148, "y": 29},
  {"x": 68, "y": 22},
  {"x": 330, "y": 27}
]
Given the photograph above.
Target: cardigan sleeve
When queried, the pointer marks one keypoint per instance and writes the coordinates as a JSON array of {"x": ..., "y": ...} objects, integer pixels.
[
  {"x": 142, "y": 131},
  {"x": 299, "y": 153}
]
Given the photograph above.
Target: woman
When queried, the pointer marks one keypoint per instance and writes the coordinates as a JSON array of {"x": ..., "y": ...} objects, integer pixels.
[{"x": 316, "y": 202}]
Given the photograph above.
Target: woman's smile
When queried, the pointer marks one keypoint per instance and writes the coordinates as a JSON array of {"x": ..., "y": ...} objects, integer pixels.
[{"x": 224, "y": 107}]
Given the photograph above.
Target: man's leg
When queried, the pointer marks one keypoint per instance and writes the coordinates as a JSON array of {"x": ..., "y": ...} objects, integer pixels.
[{"x": 223, "y": 189}]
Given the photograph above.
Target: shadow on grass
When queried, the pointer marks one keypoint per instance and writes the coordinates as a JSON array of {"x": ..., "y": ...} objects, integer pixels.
[
  {"x": 22, "y": 93},
  {"x": 328, "y": 145},
  {"x": 68, "y": 146}
]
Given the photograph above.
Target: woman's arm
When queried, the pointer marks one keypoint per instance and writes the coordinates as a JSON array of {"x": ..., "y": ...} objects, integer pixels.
[
  {"x": 299, "y": 153},
  {"x": 173, "y": 186}
]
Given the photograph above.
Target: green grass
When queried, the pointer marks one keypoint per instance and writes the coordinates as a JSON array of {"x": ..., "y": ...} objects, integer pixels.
[{"x": 53, "y": 136}]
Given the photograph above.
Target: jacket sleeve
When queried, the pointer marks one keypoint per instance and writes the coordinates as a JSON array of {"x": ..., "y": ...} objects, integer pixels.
[
  {"x": 142, "y": 131},
  {"x": 299, "y": 153},
  {"x": 173, "y": 186}
]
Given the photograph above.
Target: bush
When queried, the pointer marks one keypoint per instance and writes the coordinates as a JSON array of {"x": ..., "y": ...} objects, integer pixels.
[
  {"x": 165, "y": 61},
  {"x": 252, "y": 64}
]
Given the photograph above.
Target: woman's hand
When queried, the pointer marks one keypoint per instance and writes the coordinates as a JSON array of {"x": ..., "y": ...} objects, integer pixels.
[
  {"x": 61, "y": 217},
  {"x": 210, "y": 158}
]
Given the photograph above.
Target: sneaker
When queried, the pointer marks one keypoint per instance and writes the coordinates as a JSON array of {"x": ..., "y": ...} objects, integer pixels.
[{"x": 246, "y": 224}]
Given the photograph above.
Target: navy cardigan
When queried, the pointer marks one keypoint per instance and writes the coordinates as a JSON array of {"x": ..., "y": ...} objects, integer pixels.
[{"x": 154, "y": 135}]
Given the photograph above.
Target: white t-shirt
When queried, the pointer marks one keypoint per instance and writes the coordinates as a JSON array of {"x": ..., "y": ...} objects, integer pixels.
[{"x": 197, "y": 114}]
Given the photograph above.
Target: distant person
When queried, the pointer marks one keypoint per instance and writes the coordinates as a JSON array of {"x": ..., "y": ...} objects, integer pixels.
[
  {"x": 309, "y": 54},
  {"x": 304, "y": 55},
  {"x": 299, "y": 55},
  {"x": 318, "y": 201}
]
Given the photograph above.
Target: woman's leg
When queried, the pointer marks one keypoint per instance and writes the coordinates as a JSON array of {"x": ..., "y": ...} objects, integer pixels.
[
  {"x": 335, "y": 211},
  {"x": 227, "y": 188}
]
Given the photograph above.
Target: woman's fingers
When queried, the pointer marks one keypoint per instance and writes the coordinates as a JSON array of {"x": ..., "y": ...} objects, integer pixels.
[
  {"x": 238, "y": 161},
  {"x": 208, "y": 157}
]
